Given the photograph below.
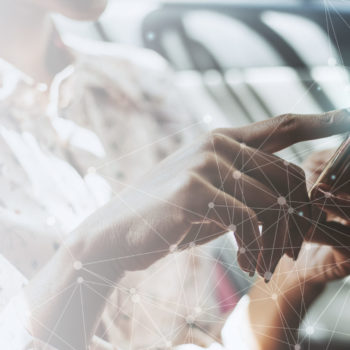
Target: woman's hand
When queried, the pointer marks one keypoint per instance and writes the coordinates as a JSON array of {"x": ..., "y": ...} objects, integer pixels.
[
  {"x": 335, "y": 203},
  {"x": 277, "y": 309},
  {"x": 228, "y": 181}
]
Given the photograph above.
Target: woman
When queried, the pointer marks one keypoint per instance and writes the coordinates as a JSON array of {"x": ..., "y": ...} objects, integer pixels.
[
  {"x": 192, "y": 197},
  {"x": 77, "y": 128}
]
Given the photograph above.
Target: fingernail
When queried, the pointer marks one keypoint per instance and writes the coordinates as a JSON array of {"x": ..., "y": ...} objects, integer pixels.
[
  {"x": 296, "y": 253},
  {"x": 267, "y": 276}
]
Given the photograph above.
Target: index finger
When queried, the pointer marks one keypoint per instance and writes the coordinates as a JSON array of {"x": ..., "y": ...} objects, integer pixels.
[{"x": 277, "y": 133}]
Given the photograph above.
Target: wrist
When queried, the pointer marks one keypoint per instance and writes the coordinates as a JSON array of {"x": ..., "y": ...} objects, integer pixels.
[{"x": 87, "y": 253}]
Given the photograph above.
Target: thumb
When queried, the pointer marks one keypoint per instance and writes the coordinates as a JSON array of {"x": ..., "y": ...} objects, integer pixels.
[{"x": 277, "y": 133}]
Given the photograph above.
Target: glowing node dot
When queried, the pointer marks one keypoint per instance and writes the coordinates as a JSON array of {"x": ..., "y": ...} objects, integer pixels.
[
  {"x": 233, "y": 228},
  {"x": 332, "y": 61},
  {"x": 42, "y": 87},
  {"x": 297, "y": 347},
  {"x": 281, "y": 201},
  {"x": 151, "y": 36},
  {"x": 92, "y": 170},
  {"x": 333, "y": 177},
  {"x": 274, "y": 296},
  {"x": 290, "y": 210},
  {"x": 173, "y": 248},
  {"x": 77, "y": 265},
  {"x": 310, "y": 330},
  {"x": 190, "y": 319},
  {"x": 307, "y": 246},
  {"x": 80, "y": 280},
  {"x": 237, "y": 174},
  {"x": 328, "y": 195},
  {"x": 318, "y": 88},
  {"x": 243, "y": 145},
  {"x": 301, "y": 213},
  {"x": 51, "y": 221},
  {"x": 207, "y": 119},
  {"x": 198, "y": 310},
  {"x": 211, "y": 205},
  {"x": 268, "y": 276},
  {"x": 242, "y": 250},
  {"x": 135, "y": 298}
]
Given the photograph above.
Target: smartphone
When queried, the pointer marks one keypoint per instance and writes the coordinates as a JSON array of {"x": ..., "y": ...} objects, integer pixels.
[{"x": 336, "y": 174}]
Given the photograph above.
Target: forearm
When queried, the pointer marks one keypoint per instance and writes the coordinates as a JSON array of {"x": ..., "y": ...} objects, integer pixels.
[
  {"x": 277, "y": 309},
  {"x": 68, "y": 296}
]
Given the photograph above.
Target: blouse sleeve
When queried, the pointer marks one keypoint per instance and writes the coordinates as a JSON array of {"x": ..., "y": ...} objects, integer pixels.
[{"x": 14, "y": 311}]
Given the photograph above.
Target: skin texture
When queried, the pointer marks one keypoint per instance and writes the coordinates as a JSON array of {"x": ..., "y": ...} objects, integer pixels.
[
  {"x": 277, "y": 309},
  {"x": 172, "y": 207}
]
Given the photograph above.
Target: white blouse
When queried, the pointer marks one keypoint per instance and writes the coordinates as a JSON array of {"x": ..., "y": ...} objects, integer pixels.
[{"x": 64, "y": 151}]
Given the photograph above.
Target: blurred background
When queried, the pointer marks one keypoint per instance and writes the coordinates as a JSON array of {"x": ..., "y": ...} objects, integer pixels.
[{"x": 244, "y": 61}]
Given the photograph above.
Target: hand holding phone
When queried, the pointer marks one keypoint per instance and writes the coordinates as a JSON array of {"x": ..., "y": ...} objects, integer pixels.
[{"x": 331, "y": 192}]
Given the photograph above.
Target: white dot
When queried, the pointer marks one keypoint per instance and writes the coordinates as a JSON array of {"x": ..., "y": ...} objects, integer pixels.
[
  {"x": 233, "y": 228},
  {"x": 135, "y": 298},
  {"x": 297, "y": 347},
  {"x": 80, "y": 280},
  {"x": 332, "y": 61},
  {"x": 242, "y": 250},
  {"x": 282, "y": 201},
  {"x": 243, "y": 145},
  {"x": 173, "y": 248},
  {"x": 42, "y": 87},
  {"x": 77, "y": 265},
  {"x": 318, "y": 88},
  {"x": 190, "y": 319},
  {"x": 92, "y": 170},
  {"x": 237, "y": 174},
  {"x": 290, "y": 210},
  {"x": 198, "y": 310},
  {"x": 268, "y": 276},
  {"x": 301, "y": 213},
  {"x": 211, "y": 205},
  {"x": 310, "y": 330},
  {"x": 207, "y": 119},
  {"x": 274, "y": 296},
  {"x": 51, "y": 221},
  {"x": 151, "y": 36},
  {"x": 328, "y": 195},
  {"x": 333, "y": 177}
]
